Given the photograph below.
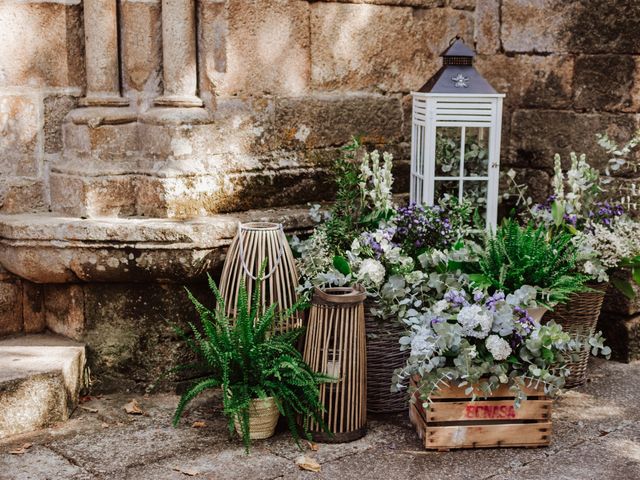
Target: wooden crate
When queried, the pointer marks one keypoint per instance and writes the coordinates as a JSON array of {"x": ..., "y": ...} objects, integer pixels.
[{"x": 452, "y": 421}]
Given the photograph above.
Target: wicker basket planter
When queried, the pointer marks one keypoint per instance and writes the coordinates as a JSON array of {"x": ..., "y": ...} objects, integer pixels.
[
  {"x": 383, "y": 357},
  {"x": 453, "y": 421},
  {"x": 579, "y": 317},
  {"x": 263, "y": 418}
]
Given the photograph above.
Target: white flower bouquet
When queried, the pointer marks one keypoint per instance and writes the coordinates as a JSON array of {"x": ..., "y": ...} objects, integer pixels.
[{"x": 483, "y": 341}]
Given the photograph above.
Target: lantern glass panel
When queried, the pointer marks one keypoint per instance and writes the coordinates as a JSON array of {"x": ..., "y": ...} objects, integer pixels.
[
  {"x": 445, "y": 188},
  {"x": 448, "y": 144},
  {"x": 476, "y": 152},
  {"x": 476, "y": 192}
]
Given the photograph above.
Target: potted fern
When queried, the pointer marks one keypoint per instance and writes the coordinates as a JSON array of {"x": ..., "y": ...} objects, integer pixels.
[
  {"x": 261, "y": 374},
  {"x": 518, "y": 256}
]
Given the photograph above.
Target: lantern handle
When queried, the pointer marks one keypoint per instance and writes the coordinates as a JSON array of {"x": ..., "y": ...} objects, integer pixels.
[{"x": 244, "y": 263}]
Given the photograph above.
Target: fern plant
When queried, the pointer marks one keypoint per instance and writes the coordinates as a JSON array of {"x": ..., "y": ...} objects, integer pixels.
[
  {"x": 247, "y": 362},
  {"x": 526, "y": 255}
]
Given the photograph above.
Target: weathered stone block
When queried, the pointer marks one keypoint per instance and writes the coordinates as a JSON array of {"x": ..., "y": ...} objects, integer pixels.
[
  {"x": 405, "y": 3},
  {"x": 487, "y": 27},
  {"x": 104, "y": 143},
  {"x": 20, "y": 195},
  {"x": 536, "y": 135},
  {"x": 464, "y": 4},
  {"x": 33, "y": 307},
  {"x": 622, "y": 334},
  {"x": 603, "y": 26},
  {"x": 380, "y": 48},
  {"x": 56, "y": 108},
  {"x": 331, "y": 120},
  {"x": 40, "y": 380},
  {"x": 257, "y": 47},
  {"x": 538, "y": 25},
  {"x": 142, "y": 46},
  {"x": 19, "y": 129},
  {"x": 188, "y": 197},
  {"x": 130, "y": 341},
  {"x": 64, "y": 310},
  {"x": 10, "y": 306},
  {"x": 109, "y": 196},
  {"x": 530, "y": 80},
  {"x": 605, "y": 82},
  {"x": 41, "y": 44}
]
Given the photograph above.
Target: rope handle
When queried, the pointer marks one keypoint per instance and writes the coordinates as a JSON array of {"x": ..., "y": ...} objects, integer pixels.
[{"x": 244, "y": 263}]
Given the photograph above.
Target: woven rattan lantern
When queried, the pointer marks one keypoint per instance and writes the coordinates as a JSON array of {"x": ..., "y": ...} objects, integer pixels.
[
  {"x": 255, "y": 242},
  {"x": 336, "y": 345},
  {"x": 455, "y": 138}
]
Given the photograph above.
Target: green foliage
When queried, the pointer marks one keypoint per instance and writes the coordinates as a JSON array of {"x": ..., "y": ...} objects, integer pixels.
[
  {"x": 247, "y": 361},
  {"x": 517, "y": 256},
  {"x": 341, "y": 264},
  {"x": 342, "y": 227}
]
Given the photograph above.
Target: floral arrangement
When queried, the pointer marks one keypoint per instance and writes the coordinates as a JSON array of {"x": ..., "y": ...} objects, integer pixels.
[
  {"x": 601, "y": 229},
  {"x": 515, "y": 256},
  {"x": 482, "y": 341}
]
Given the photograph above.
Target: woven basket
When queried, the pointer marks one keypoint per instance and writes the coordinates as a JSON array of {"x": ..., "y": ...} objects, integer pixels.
[
  {"x": 579, "y": 317},
  {"x": 263, "y": 418},
  {"x": 383, "y": 357}
]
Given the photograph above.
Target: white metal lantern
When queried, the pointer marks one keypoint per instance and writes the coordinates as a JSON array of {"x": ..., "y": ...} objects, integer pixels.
[{"x": 455, "y": 140}]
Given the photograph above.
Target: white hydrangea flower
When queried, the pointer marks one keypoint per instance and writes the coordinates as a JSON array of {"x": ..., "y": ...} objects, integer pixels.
[
  {"x": 371, "y": 272},
  {"x": 498, "y": 347},
  {"x": 475, "y": 321}
]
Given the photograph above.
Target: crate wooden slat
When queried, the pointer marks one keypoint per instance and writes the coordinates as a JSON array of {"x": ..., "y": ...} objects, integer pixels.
[
  {"x": 488, "y": 410},
  {"x": 451, "y": 423},
  {"x": 454, "y": 391}
]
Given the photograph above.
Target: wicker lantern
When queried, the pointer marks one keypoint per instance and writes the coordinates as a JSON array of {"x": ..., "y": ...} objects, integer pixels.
[
  {"x": 255, "y": 242},
  {"x": 455, "y": 139},
  {"x": 336, "y": 345}
]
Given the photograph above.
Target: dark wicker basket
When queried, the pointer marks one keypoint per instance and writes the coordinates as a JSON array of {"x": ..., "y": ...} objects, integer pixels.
[
  {"x": 579, "y": 317},
  {"x": 383, "y": 357}
]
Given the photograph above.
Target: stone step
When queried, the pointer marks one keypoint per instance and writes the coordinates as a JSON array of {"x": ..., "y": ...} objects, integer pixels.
[{"x": 40, "y": 381}]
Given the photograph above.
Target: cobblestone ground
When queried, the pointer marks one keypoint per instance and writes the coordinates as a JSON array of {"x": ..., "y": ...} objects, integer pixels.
[{"x": 596, "y": 436}]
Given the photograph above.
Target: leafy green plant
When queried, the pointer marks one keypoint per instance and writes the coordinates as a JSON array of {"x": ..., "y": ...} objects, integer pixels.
[
  {"x": 342, "y": 226},
  {"x": 247, "y": 361},
  {"x": 516, "y": 256}
]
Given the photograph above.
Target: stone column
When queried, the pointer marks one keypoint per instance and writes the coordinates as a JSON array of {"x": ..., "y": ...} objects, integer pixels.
[
  {"x": 101, "y": 52},
  {"x": 179, "y": 56}
]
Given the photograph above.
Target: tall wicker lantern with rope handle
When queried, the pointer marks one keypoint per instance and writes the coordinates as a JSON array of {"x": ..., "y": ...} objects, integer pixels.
[{"x": 255, "y": 242}]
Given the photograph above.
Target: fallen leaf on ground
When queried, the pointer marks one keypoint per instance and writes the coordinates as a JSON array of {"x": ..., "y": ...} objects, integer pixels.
[
  {"x": 104, "y": 425},
  {"x": 191, "y": 472},
  {"x": 309, "y": 464},
  {"x": 21, "y": 450},
  {"x": 86, "y": 398},
  {"x": 198, "y": 424},
  {"x": 133, "y": 408},
  {"x": 312, "y": 446},
  {"x": 89, "y": 409}
]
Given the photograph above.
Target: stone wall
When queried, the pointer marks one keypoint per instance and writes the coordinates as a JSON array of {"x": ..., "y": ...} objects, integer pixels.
[
  {"x": 285, "y": 83},
  {"x": 119, "y": 119}
]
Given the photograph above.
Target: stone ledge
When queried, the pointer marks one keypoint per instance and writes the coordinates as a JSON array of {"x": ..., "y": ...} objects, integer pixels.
[
  {"x": 40, "y": 380},
  {"x": 53, "y": 249}
]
